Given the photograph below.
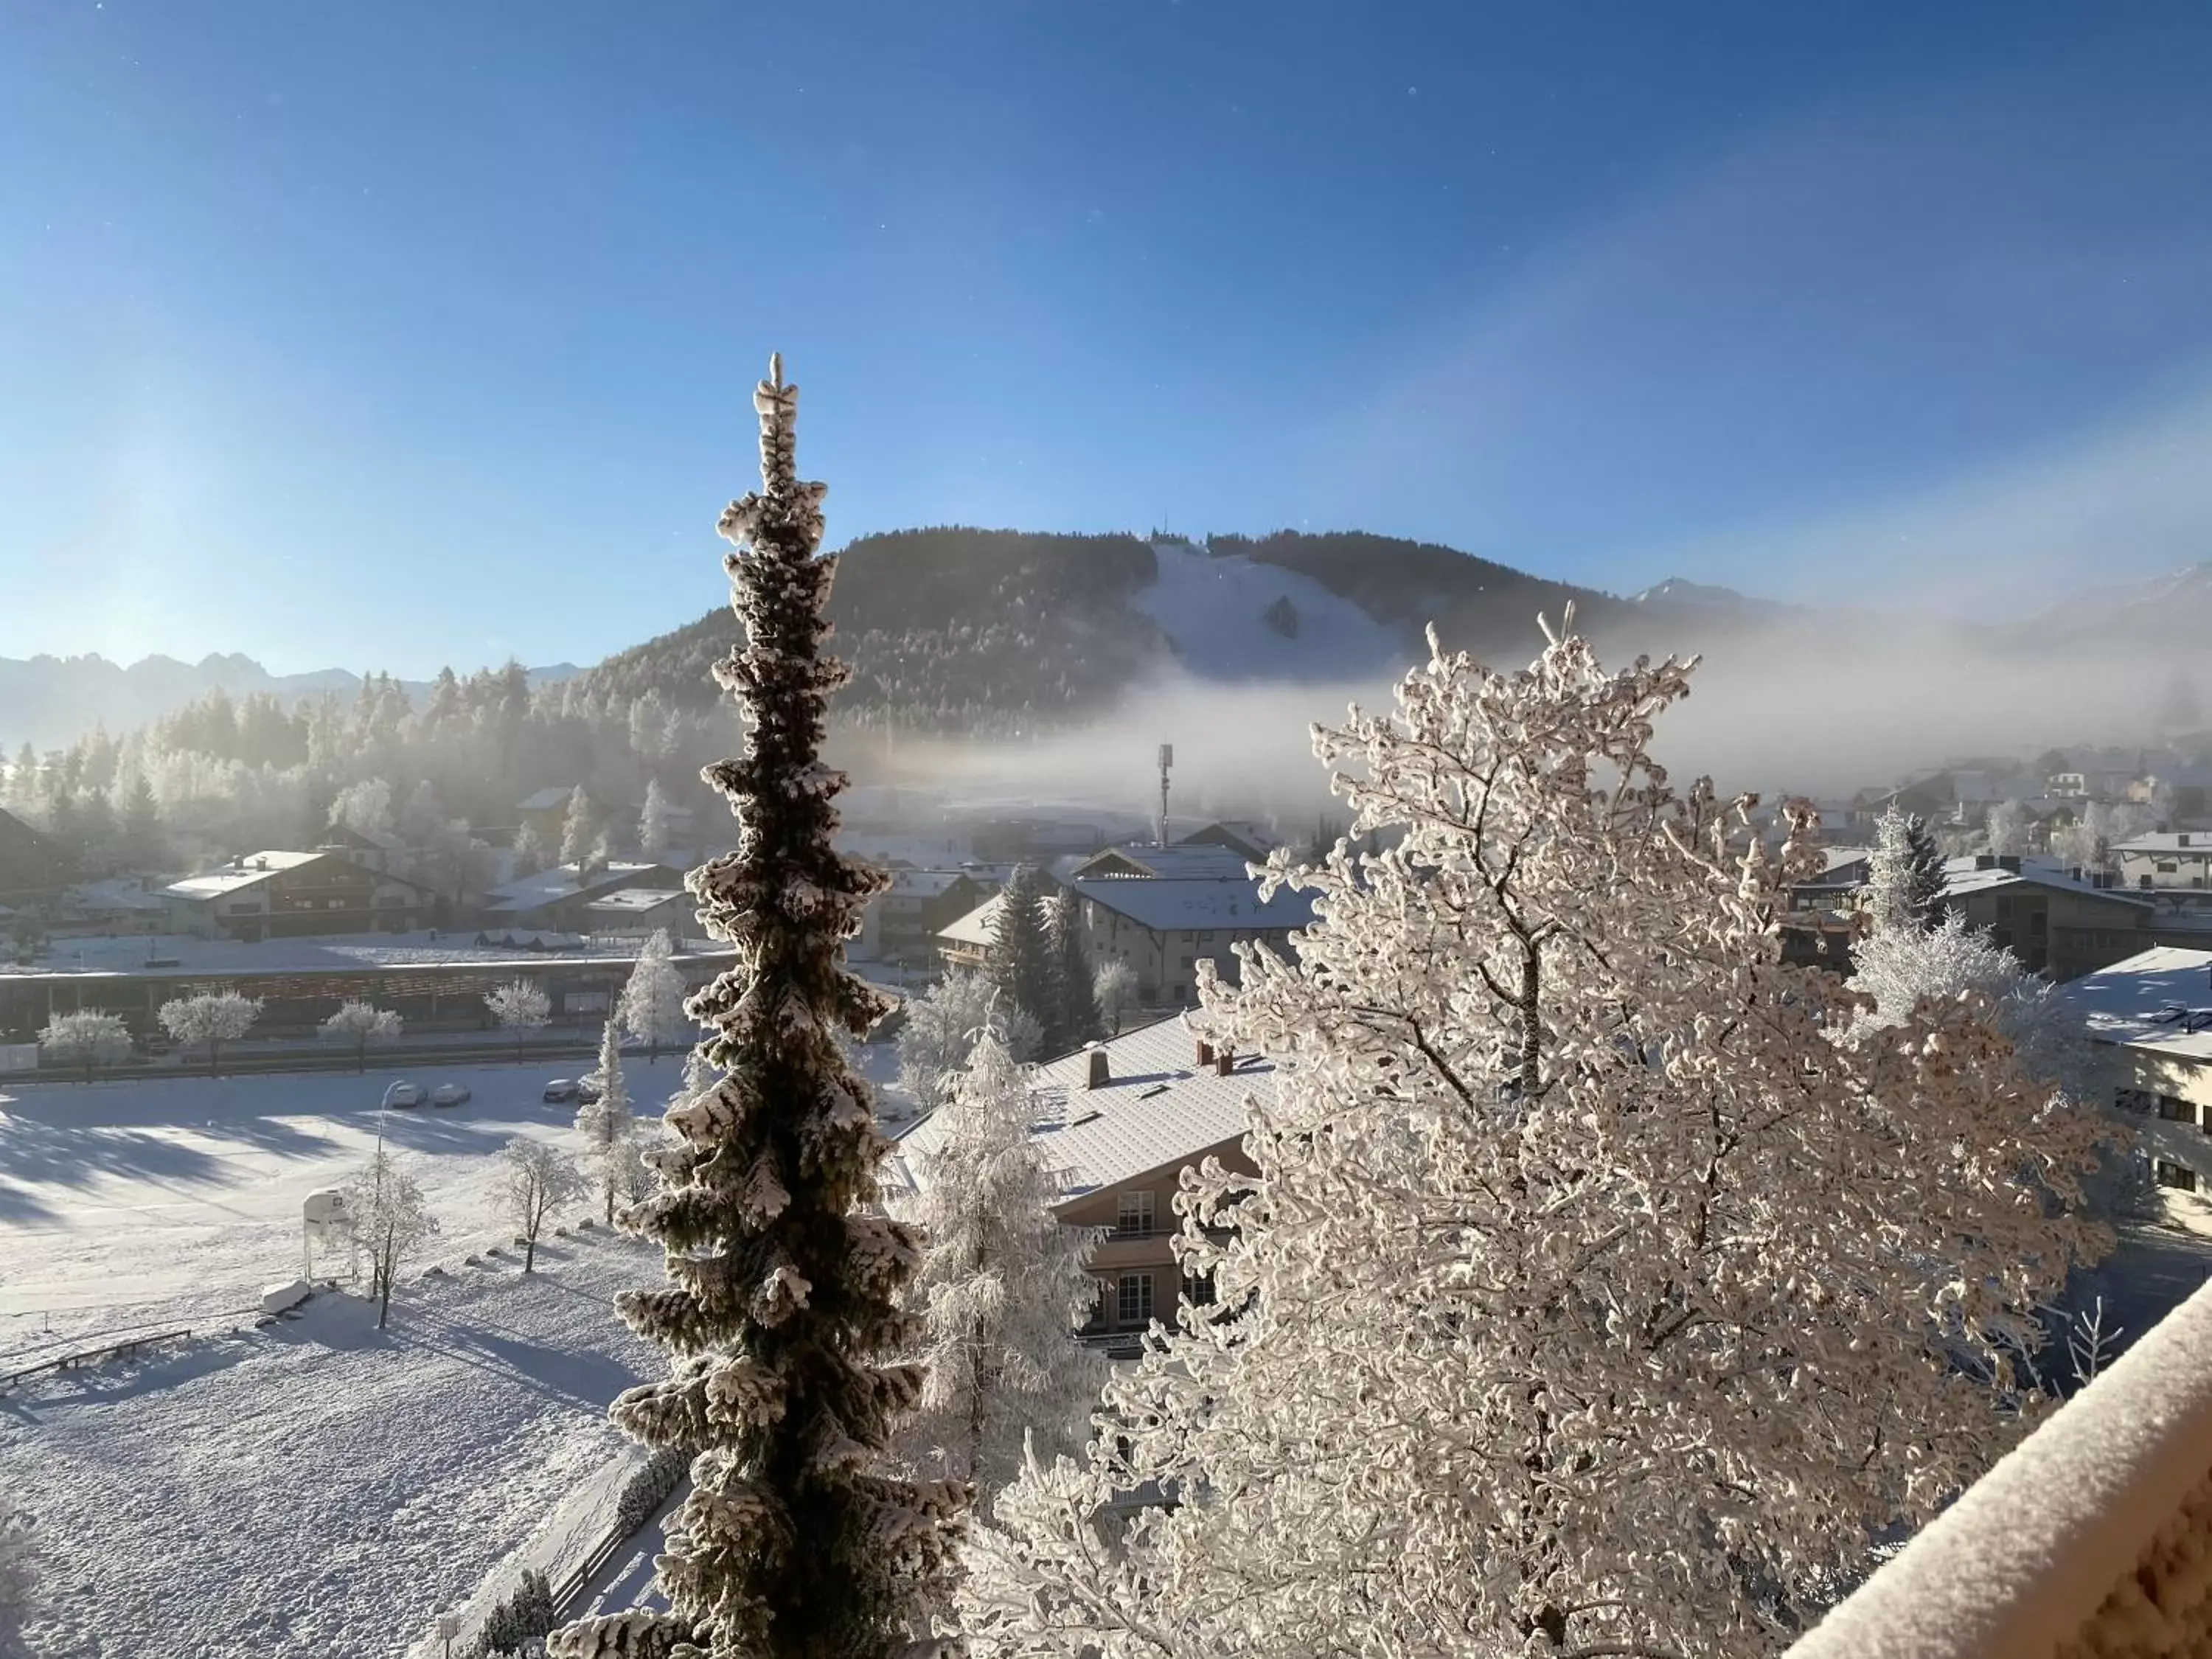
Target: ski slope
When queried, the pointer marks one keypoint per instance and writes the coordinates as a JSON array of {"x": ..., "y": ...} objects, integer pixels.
[{"x": 1214, "y": 611}]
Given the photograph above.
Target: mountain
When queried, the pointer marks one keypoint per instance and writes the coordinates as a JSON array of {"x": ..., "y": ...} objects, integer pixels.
[{"x": 51, "y": 701}]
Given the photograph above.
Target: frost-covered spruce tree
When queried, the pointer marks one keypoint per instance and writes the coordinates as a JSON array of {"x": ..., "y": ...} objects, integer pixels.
[
  {"x": 1021, "y": 964},
  {"x": 1002, "y": 1288},
  {"x": 782, "y": 1313},
  {"x": 1078, "y": 1002},
  {"x": 607, "y": 1123},
  {"x": 1601, "y": 1288},
  {"x": 651, "y": 1007},
  {"x": 579, "y": 827},
  {"x": 1904, "y": 878}
]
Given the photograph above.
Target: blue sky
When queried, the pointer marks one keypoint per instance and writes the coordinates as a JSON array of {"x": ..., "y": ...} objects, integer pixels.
[{"x": 395, "y": 334}]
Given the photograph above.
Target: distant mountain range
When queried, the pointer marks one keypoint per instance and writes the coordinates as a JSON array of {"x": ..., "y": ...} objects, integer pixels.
[
  {"x": 51, "y": 701},
  {"x": 959, "y": 629}
]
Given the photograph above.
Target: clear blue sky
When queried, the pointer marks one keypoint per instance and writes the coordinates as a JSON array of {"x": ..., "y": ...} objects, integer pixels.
[{"x": 392, "y": 334}]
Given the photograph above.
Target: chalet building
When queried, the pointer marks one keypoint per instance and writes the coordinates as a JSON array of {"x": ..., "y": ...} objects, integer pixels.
[
  {"x": 1120, "y": 1122},
  {"x": 1238, "y": 836},
  {"x": 640, "y": 911},
  {"x": 30, "y": 864},
  {"x": 2058, "y": 922},
  {"x": 278, "y": 895},
  {"x": 2155, "y": 1010},
  {"x": 561, "y": 899},
  {"x": 2177, "y": 861},
  {"x": 1160, "y": 909},
  {"x": 902, "y": 923}
]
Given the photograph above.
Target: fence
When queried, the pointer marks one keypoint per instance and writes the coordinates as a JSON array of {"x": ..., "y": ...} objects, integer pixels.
[{"x": 118, "y": 1350}]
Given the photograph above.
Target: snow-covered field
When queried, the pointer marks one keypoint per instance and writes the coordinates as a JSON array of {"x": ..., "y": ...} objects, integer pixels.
[
  {"x": 317, "y": 1488},
  {"x": 1214, "y": 609}
]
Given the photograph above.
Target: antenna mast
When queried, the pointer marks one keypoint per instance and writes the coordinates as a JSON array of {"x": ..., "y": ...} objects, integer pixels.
[{"x": 1167, "y": 759}]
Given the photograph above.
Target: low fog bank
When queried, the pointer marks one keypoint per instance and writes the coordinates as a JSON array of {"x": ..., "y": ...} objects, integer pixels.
[{"x": 1818, "y": 711}]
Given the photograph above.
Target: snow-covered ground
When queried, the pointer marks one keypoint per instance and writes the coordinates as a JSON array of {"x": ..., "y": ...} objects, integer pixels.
[
  {"x": 1214, "y": 609},
  {"x": 320, "y": 1489}
]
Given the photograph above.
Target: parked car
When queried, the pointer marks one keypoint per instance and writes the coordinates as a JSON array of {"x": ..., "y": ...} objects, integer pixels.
[
  {"x": 587, "y": 1091},
  {"x": 404, "y": 1093},
  {"x": 561, "y": 1088},
  {"x": 449, "y": 1094}
]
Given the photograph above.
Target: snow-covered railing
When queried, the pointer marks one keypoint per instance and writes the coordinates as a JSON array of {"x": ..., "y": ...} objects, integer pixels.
[
  {"x": 95, "y": 1356},
  {"x": 2093, "y": 1536}
]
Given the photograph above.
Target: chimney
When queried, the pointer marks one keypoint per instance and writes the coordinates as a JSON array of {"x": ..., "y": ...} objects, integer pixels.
[
  {"x": 1204, "y": 1051},
  {"x": 1224, "y": 1061},
  {"x": 1101, "y": 1073}
]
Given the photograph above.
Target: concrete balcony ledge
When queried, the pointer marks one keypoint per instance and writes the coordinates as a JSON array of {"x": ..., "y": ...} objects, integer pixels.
[{"x": 2091, "y": 1537}]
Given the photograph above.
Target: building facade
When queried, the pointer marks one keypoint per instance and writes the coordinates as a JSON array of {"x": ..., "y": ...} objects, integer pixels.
[
  {"x": 278, "y": 895},
  {"x": 2153, "y": 1010}
]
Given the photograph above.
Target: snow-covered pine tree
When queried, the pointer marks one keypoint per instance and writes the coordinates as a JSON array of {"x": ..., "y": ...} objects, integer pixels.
[
  {"x": 1022, "y": 964},
  {"x": 653, "y": 823},
  {"x": 579, "y": 827},
  {"x": 651, "y": 1008},
  {"x": 607, "y": 1123},
  {"x": 1078, "y": 1003},
  {"x": 1001, "y": 1291},
  {"x": 939, "y": 1033},
  {"x": 1905, "y": 877},
  {"x": 1599, "y": 1290},
  {"x": 782, "y": 1315}
]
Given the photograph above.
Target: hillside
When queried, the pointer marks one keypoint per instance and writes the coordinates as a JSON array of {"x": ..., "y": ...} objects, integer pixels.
[{"x": 50, "y": 701}]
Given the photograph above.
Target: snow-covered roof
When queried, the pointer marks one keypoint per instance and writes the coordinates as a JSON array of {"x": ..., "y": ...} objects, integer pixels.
[
  {"x": 545, "y": 799},
  {"x": 978, "y": 926},
  {"x": 116, "y": 893},
  {"x": 925, "y": 884},
  {"x": 231, "y": 878},
  {"x": 181, "y": 958},
  {"x": 1162, "y": 903},
  {"x": 548, "y": 886},
  {"x": 2166, "y": 841},
  {"x": 2151, "y": 1001},
  {"x": 1833, "y": 859},
  {"x": 629, "y": 900},
  {"x": 1962, "y": 876},
  {"x": 1180, "y": 860},
  {"x": 1160, "y": 1108}
]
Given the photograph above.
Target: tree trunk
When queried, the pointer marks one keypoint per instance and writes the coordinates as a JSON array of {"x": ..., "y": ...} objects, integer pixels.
[
  {"x": 384, "y": 1292},
  {"x": 530, "y": 1251}
]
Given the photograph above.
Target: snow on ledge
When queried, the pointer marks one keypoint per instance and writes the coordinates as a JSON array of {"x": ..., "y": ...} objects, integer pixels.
[{"x": 2092, "y": 1536}]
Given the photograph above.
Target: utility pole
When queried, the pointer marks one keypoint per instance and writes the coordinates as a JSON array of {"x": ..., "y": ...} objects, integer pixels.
[{"x": 1167, "y": 759}]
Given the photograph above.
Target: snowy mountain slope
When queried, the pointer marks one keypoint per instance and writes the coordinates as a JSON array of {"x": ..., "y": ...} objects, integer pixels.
[
  {"x": 320, "y": 1490},
  {"x": 1216, "y": 612}
]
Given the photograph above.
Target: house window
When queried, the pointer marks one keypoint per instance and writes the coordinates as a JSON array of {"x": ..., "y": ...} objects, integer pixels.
[
  {"x": 2164, "y": 867},
  {"x": 2175, "y": 1110},
  {"x": 2167, "y": 1174},
  {"x": 1134, "y": 1295},
  {"x": 1198, "y": 1290},
  {"x": 1206, "y": 938},
  {"x": 1133, "y": 1216},
  {"x": 2039, "y": 924}
]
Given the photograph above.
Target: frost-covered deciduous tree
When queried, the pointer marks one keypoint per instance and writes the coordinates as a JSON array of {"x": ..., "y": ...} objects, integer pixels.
[
  {"x": 653, "y": 823},
  {"x": 1898, "y": 971},
  {"x": 1022, "y": 964},
  {"x": 939, "y": 1033},
  {"x": 391, "y": 1221},
  {"x": 782, "y": 1313},
  {"x": 1600, "y": 1291},
  {"x": 1002, "y": 1289},
  {"x": 214, "y": 1018},
  {"x": 535, "y": 1178},
  {"x": 651, "y": 1007},
  {"x": 361, "y": 1024},
  {"x": 608, "y": 1124},
  {"x": 1904, "y": 879},
  {"x": 366, "y": 806},
  {"x": 1076, "y": 1005},
  {"x": 21, "y": 1596},
  {"x": 86, "y": 1037},
  {"x": 2010, "y": 828},
  {"x": 529, "y": 851},
  {"x": 1113, "y": 989},
  {"x": 520, "y": 1006},
  {"x": 579, "y": 828}
]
